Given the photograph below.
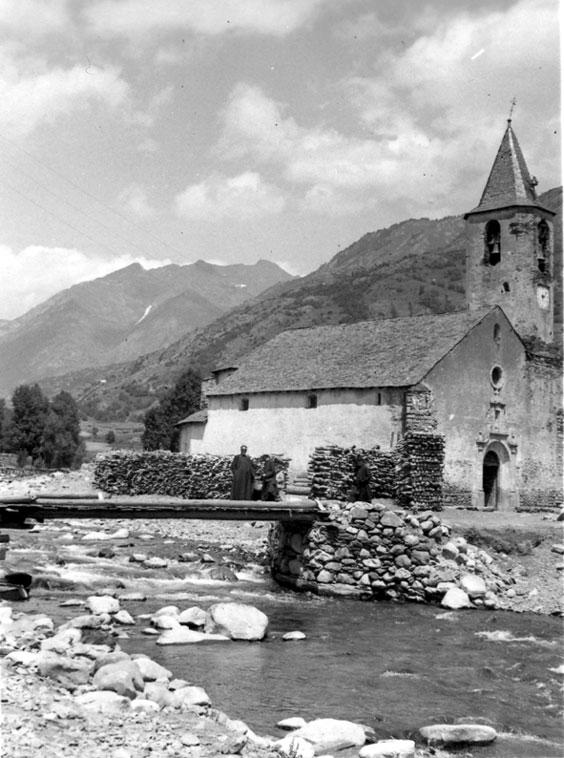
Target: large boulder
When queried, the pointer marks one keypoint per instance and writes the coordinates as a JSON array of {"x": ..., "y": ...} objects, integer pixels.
[
  {"x": 458, "y": 734},
  {"x": 66, "y": 671},
  {"x": 474, "y": 586},
  {"x": 389, "y": 749},
  {"x": 237, "y": 621},
  {"x": 181, "y": 635},
  {"x": 100, "y": 604},
  {"x": 103, "y": 702},
  {"x": 328, "y": 735},
  {"x": 186, "y": 696},
  {"x": 151, "y": 670},
  {"x": 194, "y": 617},
  {"x": 122, "y": 677},
  {"x": 455, "y": 598}
]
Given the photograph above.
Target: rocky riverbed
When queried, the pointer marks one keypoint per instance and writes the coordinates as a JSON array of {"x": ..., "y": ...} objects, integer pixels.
[{"x": 43, "y": 717}]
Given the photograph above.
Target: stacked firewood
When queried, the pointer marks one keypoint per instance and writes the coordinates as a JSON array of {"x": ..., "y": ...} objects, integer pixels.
[
  {"x": 419, "y": 471},
  {"x": 124, "y": 472},
  {"x": 331, "y": 472}
]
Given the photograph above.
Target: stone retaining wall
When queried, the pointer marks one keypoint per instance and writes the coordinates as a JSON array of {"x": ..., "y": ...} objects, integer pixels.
[{"x": 370, "y": 551}]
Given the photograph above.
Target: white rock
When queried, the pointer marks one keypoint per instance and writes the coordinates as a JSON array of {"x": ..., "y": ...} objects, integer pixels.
[
  {"x": 123, "y": 617},
  {"x": 237, "y": 620},
  {"x": 158, "y": 693},
  {"x": 293, "y": 636},
  {"x": 99, "y": 604},
  {"x": 167, "y": 610},
  {"x": 122, "y": 677},
  {"x": 295, "y": 747},
  {"x": 95, "y": 536},
  {"x": 295, "y": 722},
  {"x": 186, "y": 696},
  {"x": 155, "y": 562},
  {"x": 193, "y": 616},
  {"x": 389, "y": 749},
  {"x": 189, "y": 739},
  {"x": 183, "y": 636},
  {"x": 146, "y": 706},
  {"x": 151, "y": 670},
  {"x": 458, "y": 734},
  {"x": 456, "y": 598},
  {"x": 103, "y": 702},
  {"x": 165, "y": 622},
  {"x": 23, "y": 658},
  {"x": 62, "y": 641},
  {"x": 120, "y": 534},
  {"x": 327, "y": 735},
  {"x": 474, "y": 586},
  {"x": 89, "y": 621}
]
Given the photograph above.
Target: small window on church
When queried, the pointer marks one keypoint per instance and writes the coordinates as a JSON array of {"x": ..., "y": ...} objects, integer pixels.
[
  {"x": 496, "y": 376},
  {"x": 244, "y": 404},
  {"x": 497, "y": 334},
  {"x": 543, "y": 246},
  {"x": 378, "y": 398},
  {"x": 312, "y": 401},
  {"x": 492, "y": 240}
]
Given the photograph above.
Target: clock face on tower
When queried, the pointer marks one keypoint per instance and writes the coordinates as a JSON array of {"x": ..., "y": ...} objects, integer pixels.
[{"x": 543, "y": 296}]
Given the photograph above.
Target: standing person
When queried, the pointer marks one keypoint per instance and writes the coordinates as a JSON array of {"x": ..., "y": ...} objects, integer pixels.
[
  {"x": 243, "y": 476},
  {"x": 362, "y": 478},
  {"x": 269, "y": 484}
]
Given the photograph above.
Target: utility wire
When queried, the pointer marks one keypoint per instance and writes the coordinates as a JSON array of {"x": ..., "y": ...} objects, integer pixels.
[
  {"x": 77, "y": 208},
  {"x": 50, "y": 213},
  {"x": 93, "y": 197}
]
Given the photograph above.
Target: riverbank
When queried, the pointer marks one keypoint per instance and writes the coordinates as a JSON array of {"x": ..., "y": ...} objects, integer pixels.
[{"x": 35, "y": 712}]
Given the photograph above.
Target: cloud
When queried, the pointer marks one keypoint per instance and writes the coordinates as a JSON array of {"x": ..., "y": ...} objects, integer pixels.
[
  {"x": 134, "y": 199},
  {"x": 37, "y": 272},
  {"x": 416, "y": 124},
  {"x": 238, "y": 197},
  {"x": 34, "y": 18},
  {"x": 134, "y": 18},
  {"x": 28, "y": 100}
]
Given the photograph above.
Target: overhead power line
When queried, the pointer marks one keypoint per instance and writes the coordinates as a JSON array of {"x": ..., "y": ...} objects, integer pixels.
[{"x": 88, "y": 194}]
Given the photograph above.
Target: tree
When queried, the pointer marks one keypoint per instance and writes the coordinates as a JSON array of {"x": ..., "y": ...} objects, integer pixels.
[
  {"x": 182, "y": 400},
  {"x": 25, "y": 432},
  {"x": 61, "y": 445},
  {"x": 2, "y": 422},
  {"x": 111, "y": 437}
]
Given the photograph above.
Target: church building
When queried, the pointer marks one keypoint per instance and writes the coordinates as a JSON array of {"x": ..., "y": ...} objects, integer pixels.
[{"x": 485, "y": 377}]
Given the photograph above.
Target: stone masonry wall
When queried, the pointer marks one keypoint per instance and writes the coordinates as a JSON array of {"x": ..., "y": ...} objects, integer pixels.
[{"x": 369, "y": 551}]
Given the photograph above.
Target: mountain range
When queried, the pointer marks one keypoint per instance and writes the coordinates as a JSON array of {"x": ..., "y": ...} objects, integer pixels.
[
  {"x": 118, "y": 317},
  {"x": 411, "y": 268}
]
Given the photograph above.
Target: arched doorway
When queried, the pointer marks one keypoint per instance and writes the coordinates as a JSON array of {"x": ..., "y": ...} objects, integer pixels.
[{"x": 490, "y": 479}]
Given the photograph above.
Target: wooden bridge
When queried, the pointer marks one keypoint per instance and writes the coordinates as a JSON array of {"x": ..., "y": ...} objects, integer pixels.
[{"x": 15, "y": 510}]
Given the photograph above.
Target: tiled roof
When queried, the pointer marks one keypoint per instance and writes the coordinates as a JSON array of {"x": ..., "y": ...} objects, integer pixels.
[
  {"x": 199, "y": 417},
  {"x": 509, "y": 182},
  {"x": 395, "y": 352}
]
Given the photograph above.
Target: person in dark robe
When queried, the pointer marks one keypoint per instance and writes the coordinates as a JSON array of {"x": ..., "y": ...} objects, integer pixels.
[
  {"x": 269, "y": 484},
  {"x": 243, "y": 476},
  {"x": 362, "y": 477}
]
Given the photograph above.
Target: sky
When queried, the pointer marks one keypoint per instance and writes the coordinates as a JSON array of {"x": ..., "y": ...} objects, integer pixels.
[{"x": 239, "y": 130}]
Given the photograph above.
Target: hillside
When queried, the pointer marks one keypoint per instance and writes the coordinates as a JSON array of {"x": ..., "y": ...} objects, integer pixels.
[
  {"x": 410, "y": 268},
  {"x": 118, "y": 317}
]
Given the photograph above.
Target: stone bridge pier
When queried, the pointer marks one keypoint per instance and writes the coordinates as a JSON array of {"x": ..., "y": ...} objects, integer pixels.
[{"x": 362, "y": 550}]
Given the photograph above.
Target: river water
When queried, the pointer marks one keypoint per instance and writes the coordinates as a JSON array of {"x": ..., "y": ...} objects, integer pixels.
[{"x": 393, "y": 667}]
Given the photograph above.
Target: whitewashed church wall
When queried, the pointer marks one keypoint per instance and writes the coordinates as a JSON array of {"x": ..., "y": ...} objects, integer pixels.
[{"x": 282, "y": 423}]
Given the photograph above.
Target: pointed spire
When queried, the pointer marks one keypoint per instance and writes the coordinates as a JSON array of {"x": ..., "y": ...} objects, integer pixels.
[{"x": 509, "y": 183}]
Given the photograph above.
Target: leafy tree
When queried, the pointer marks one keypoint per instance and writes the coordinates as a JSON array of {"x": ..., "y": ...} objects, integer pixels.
[
  {"x": 2, "y": 422},
  {"x": 111, "y": 437},
  {"x": 182, "y": 400},
  {"x": 25, "y": 432},
  {"x": 61, "y": 445}
]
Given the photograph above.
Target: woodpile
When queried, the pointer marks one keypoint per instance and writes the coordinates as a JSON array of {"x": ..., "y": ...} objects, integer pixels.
[
  {"x": 123, "y": 472},
  {"x": 419, "y": 471},
  {"x": 331, "y": 472}
]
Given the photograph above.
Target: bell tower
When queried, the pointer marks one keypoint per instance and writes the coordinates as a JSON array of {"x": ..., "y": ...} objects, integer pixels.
[{"x": 509, "y": 246}]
